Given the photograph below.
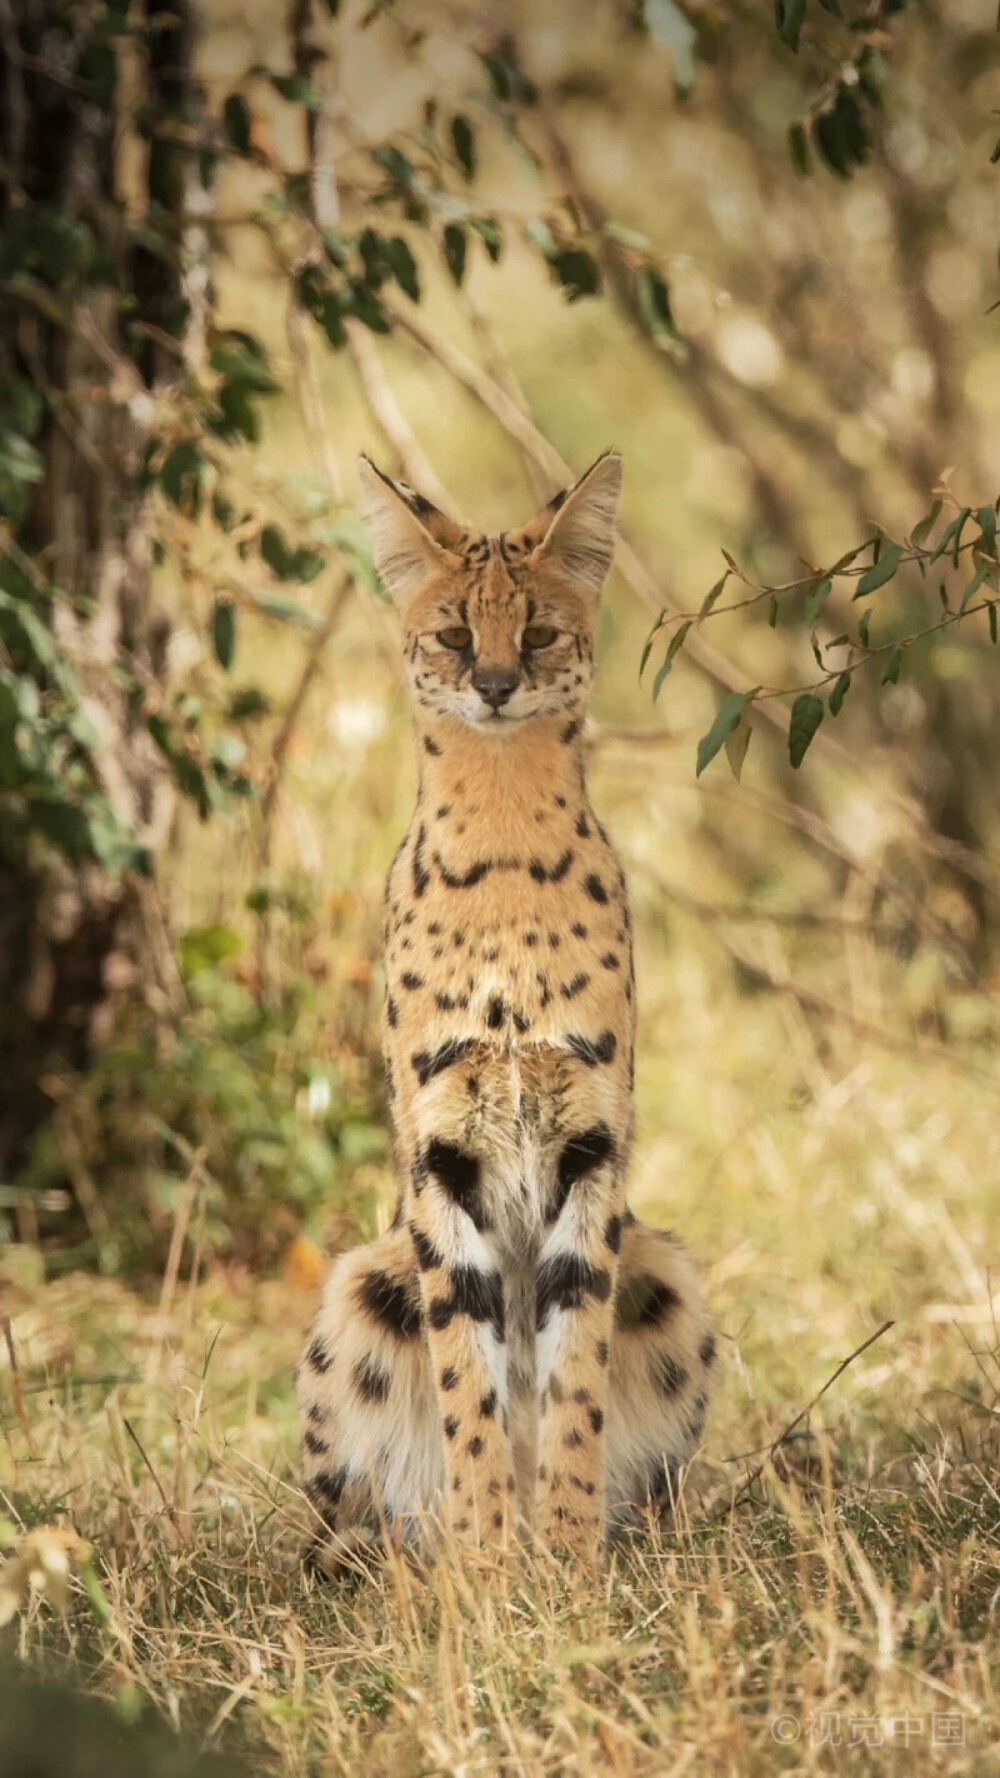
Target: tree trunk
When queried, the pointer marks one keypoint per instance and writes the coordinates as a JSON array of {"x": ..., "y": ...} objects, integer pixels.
[{"x": 72, "y": 935}]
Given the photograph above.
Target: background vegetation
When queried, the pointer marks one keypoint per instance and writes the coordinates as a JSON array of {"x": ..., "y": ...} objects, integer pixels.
[{"x": 757, "y": 253}]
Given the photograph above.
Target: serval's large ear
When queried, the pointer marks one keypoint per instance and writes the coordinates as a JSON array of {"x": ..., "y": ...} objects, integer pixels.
[
  {"x": 578, "y": 527},
  {"x": 411, "y": 538}
]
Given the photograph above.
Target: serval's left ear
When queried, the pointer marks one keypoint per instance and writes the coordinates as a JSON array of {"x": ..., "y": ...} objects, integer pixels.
[
  {"x": 411, "y": 538},
  {"x": 577, "y": 528}
]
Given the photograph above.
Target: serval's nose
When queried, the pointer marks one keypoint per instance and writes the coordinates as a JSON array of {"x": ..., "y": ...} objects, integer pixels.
[{"x": 495, "y": 685}]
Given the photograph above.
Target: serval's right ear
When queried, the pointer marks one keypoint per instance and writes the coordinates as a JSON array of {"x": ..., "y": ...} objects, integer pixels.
[{"x": 410, "y": 537}]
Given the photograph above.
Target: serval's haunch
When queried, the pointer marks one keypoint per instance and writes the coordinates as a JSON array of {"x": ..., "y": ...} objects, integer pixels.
[{"x": 517, "y": 1349}]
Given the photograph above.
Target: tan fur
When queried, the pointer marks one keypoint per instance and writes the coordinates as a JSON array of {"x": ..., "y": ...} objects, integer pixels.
[{"x": 517, "y": 1340}]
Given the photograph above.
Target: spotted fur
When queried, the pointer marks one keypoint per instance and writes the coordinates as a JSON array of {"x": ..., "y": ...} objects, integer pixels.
[{"x": 516, "y": 1346}]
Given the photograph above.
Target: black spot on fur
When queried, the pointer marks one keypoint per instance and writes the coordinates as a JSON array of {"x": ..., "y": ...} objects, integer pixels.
[
  {"x": 610, "y": 960},
  {"x": 594, "y": 1050},
  {"x": 554, "y": 873},
  {"x": 317, "y": 1447},
  {"x": 583, "y": 1153},
  {"x": 317, "y": 1357},
  {"x": 421, "y": 875},
  {"x": 613, "y": 1233},
  {"x": 531, "y": 938},
  {"x": 391, "y": 1013},
  {"x": 578, "y": 930},
  {"x": 431, "y": 747},
  {"x": 583, "y": 826},
  {"x": 571, "y": 989},
  {"x": 390, "y": 1304},
  {"x": 463, "y": 879},
  {"x": 706, "y": 1351},
  {"x": 595, "y": 888},
  {"x": 560, "y": 801},
  {"x": 573, "y": 1439},
  {"x": 449, "y": 1378},
  {"x": 667, "y": 1374},
  {"x": 411, "y": 981},
  {"x": 601, "y": 1352},
  {"x": 457, "y": 1171},
  {"x": 475, "y": 1446},
  {"x": 496, "y": 1013},
  {"x": 488, "y": 1405},
  {"x": 644, "y": 1301},
  {"x": 428, "y": 1063},
  {"x": 427, "y": 1254},
  {"x": 570, "y": 732},
  {"x": 371, "y": 1381},
  {"x": 450, "y": 1426},
  {"x": 565, "y": 1281},
  {"x": 329, "y": 1483},
  {"x": 474, "y": 1293},
  {"x": 521, "y": 1022},
  {"x": 596, "y": 1418}
]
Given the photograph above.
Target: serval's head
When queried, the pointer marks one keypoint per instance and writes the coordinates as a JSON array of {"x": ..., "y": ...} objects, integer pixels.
[{"x": 497, "y": 630}]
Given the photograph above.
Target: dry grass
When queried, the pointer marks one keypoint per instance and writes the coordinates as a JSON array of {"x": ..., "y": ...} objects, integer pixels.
[{"x": 854, "y": 1588}]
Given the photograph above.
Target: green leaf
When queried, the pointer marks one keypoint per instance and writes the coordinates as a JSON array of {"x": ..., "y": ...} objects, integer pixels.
[
  {"x": 668, "y": 25},
  {"x": 839, "y": 693},
  {"x": 297, "y": 90},
  {"x": 789, "y": 16},
  {"x": 952, "y": 534},
  {"x": 798, "y": 149},
  {"x": 993, "y": 624},
  {"x": 923, "y": 528},
  {"x": 280, "y": 605},
  {"x": 489, "y": 231},
  {"x": 975, "y": 584},
  {"x": 276, "y": 552},
  {"x": 674, "y": 647},
  {"x": 236, "y": 122},
  {"x": 727, "y": 719},
  {"x": 736, "y": 745},
  {"x": 864, "y": 626},
  {"x": 395, "y": 164},
  {"x": 578, "y": 273},
  {"x": 455, "y": 250},
  {"x": 880, "y": 572},
  {"x": 464, "y": 144},
  {"x": 181, "y": 476},
  {"x": 653, "y": 299},
  {"x": 647, "y": 647},
  {"x": 247, "y": 702},
  {"x": 817, "y": 599},
  {"x": 224, "y": 632},
  {"x": 540, "y": 235},
  {"x": 891, "y": 673},
  {"x": 807, "y": 714},
  {"x": 772, "y": 611},
  {"x": 988, "y": 526},
  {"x": 713, "y": 595},
  {"x": 404, "y": 267}
]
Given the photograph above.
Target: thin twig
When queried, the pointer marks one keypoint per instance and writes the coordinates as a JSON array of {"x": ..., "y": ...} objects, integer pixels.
[
  {"x": 168, "y": 1509},
  {"x": 803, "y": 1413}
]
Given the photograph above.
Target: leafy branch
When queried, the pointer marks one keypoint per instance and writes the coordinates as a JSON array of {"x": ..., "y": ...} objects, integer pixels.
[{"x": 731, "y": 725}]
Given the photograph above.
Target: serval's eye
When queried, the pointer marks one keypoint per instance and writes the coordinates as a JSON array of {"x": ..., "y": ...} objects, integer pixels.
[
  {"x": 457, "y": 637},
  {"x": 539, "y": 635}
]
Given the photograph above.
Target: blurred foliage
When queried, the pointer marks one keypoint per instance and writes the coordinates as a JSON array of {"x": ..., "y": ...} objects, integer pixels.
[{"x": 237, "y": 1120}]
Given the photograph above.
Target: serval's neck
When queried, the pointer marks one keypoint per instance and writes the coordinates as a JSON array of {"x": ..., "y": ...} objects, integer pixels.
[{"x": 501, "y": 775}]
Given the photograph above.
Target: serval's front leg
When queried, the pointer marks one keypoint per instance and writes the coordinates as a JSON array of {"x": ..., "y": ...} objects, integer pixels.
[
  {"x": 464, "y": 1316},
  {"x": 577, "y": 1271}
]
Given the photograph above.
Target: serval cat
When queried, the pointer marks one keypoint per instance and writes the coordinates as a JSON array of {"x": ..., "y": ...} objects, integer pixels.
[{"x": 517, "y": 1344}]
